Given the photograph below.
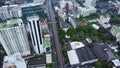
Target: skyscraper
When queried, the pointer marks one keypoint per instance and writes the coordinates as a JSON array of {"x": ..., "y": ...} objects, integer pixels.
[
  {"x": 10, "y": 11},
  {"x": 36, "y": 33},
  {"x": 13, "y": 37},
  {"x": 15, "y": 11},
  {"x": 90, "y": 3}
]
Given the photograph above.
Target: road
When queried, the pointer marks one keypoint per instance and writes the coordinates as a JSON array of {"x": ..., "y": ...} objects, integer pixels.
[{"x": 60, "y": 61}]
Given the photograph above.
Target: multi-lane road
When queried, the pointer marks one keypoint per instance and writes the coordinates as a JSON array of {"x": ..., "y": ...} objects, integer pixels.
[{"x": 58, "y": 49}]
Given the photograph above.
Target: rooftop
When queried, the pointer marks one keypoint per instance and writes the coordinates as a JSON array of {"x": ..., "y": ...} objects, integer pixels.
[
  {"x": 31, "y": 4},
  {"x": 15, "y": 8},
  {"x": 95, "y": 26},
  {"x": 104, "y": 19},
  {"x": 117, "y": 29},
  {"x": 64, "y": 24},
  {"x": 48, "y": 58},
  {"x": 103, "y": 51},
  {"x": 85, "y": 54},
  {"x": 3, "y": 9},
  {"x": 11, "y": 23},
  {"x": 31, "y": 18},
  {"x": 116, "y": 62},
  {"x": 36, "y": 61},
  {"x": 86, "y": 9},
  {"x": 73, "y": 58},
  {"x": 76, "y": 45},
  {"x": 75, "y": 20},
  {"x": 6, "y": 26},
  {"x": 14, "y": 60},
  {"x": 47, "y": 41},
  {"x": 14, "y": 21}
]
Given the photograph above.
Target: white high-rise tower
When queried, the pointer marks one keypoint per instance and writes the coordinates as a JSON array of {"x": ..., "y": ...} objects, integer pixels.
[
  {"x": 13, "y": 37},
  {"x": 36, "y": 33}
]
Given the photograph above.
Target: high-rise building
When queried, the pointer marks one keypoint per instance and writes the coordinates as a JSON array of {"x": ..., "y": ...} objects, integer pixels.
[
  {"x": 86, "y": 11},
  {"x": 31, "y": 9},
  {"x": 9, "y": 11},
  {"x": 36, "y": 33},
  {"x": 90, "y": 3},
  {"x": 15, "y": 11},
  {"x": 4, "y": 14},
  {"x": 13, "y": 37},
  {"x": 93, "y": 3}
]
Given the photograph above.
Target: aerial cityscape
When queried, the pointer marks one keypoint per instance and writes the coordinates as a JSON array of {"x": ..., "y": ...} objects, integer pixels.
[{"x": 59, "y": 33}]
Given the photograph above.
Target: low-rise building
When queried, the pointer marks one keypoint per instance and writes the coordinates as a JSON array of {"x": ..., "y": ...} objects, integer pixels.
[
  {"x": 89, "y": 40},
  {"x": 104, "y": 21},
  {"x": 103, "y": 52},
  {"x": 36, "y": 62},
  {"x": 86, "y": 56},
  {"x": 115, "y": 31},
  {"x": 95, "y": 26},
  {"x": 14, "y": 61},
  {"x": 116, "y": 62},
  {"x": 84, "y": 11},
  {"x": 48, "y": 58},
  {"x": 73, "y": 58},
  {"x": 80, "y": 55},
  {"x": 76, "y": 45},
  {"x": 65, "y": 25},
  {"x": 47, "y": 45},
  {"x": 73, "y": 22}
]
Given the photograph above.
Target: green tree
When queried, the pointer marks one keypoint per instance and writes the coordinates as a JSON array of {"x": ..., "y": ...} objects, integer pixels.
[
  {"x": 102, "y": 30},
  {"x": 103, "y": 64},
  {"x": 57, "y": 18},
  {"x": 64, "y": 50},
  {"x": 75, "y": 38},
  {"x": 115, "y": 19},
  {"x": 79, "y": 28},
  {"x": 50, "y": 65},
  {"x": 39, "y": 55},
  {"x": 90, "y": 44},
  {"x": 98, "y": 64},
  {"x": 71, "y": 32},
  {"x": 62, "y": 35},
  {"x": 80, "y": 19}
]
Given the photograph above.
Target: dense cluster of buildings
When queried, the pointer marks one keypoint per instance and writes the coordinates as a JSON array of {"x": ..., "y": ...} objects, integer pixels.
[
  {"x": 18, "y": 21},
  {"x": 24, "y": 34},
  {"x": 78, "y": 52}
]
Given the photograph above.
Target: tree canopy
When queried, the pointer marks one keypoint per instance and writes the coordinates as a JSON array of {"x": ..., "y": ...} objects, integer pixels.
[
  {"x": 115, "y": 19},
  {"x": 62, "y": 35},
  {"x": 103, "y": 64}
]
